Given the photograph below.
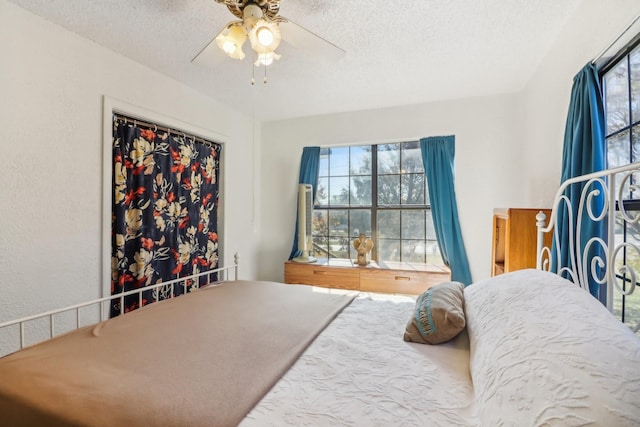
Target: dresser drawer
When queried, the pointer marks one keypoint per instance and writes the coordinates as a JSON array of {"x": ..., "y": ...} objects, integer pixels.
[
  {"x": 317, "y": 275},
  {"x": 399, "y": 281}
]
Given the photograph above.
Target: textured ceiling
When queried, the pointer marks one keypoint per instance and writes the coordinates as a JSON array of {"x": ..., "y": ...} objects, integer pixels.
[{"x": 397, "y": 52}]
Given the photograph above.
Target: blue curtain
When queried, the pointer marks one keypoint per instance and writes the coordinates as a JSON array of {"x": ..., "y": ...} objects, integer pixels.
[
  {"x": 583, "y": 152},
  {"x": 437, "y": 156},
  {"x": 309, "y": 165}
]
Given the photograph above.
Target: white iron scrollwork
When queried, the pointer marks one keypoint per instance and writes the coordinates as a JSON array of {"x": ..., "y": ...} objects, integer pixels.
[{"x": 609, "y": 259}]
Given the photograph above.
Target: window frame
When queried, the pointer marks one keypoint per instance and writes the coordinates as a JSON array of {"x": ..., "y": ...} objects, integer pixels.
[
  {"x": 375, "y": 207},
  {"x": 632, "y": 203},
  {"x": 623, "y": 54}
]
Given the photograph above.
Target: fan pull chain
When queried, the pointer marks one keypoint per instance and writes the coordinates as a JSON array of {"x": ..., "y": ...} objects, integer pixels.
[
  {"x": 253, "y": 73},
  {"x": 265, "y": 75}
]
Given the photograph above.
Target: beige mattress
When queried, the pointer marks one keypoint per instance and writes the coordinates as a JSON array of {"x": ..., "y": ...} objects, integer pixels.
[{"x": 203, "y": 359}]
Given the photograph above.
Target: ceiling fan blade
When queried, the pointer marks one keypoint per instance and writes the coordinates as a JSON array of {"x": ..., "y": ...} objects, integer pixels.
[
  {"x": 305, "y": 40},
  {"x": 210, "y": 56}
]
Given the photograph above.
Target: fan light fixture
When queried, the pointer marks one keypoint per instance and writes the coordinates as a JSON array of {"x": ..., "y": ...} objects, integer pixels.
[
  {"x": 231, "y": 41},
  {"x": 266, "y": 58},
  {"x": 259, "y": 24},
  {"x": 265, "y": 36}
]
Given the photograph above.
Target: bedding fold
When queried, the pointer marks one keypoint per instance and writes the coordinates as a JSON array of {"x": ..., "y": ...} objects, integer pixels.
[{"x": 203, "y": 359}]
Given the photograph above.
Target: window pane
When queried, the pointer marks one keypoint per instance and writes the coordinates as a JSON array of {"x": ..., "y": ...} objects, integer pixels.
[
  {"x": 427, "y": 200},
  {"x": 413, "y": 224},
  {"x": 617, "y": 97},
  {"x": 618, "y": 154},
  {"x": 413, "y": 189},
  {"x": 320, "y": 231},
  {"x": 338, "y": 247},
  {"x": 634, "y": 60},
  {"x": 338, "y": 222},
  {"x": 360, "y": 222},
  {"x": 430, "y": 227},
  {"x": 636, "y": 157},
  {"x": 618, "y": 150},
  {"x": 361, "y": 191},
  {"x": 388, "y": 190},
  {"x": 323, "y": 167},
  {"x": 632, "y": 302},
  {"x": 411, "y": 158},
  {"x": 388, "y": 250},
  {"x": 433, "y": 253},
  {"x": 339, "y": 191},
  {"x": 361, "y": 160},
  {"x": 339, "y": 161},
  {"x": 319, "y": 222},
  {"x": 388, "y": 158},
  {"x": 413, "y": 251},
  {"x": 636, "y": 144},
  {"x": 322, "y": 192},
  {"x": 389, "y": 224},
  {"x": 320, "y": 247}
]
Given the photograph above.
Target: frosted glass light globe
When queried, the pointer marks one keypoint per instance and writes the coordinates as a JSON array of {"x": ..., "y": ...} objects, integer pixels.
[{"x": 265, "y": 36}]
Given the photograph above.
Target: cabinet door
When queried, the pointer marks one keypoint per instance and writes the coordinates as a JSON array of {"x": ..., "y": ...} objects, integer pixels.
[
  {"x": 317, "y": 275},
  {"x": 400, "y": 281}
]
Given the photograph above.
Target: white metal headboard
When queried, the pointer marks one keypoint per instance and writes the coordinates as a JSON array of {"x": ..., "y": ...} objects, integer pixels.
[{"x": 615, "y": 267}]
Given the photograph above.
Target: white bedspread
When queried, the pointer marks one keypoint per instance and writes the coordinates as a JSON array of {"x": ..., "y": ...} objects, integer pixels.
[
  {"x": 359, "y": 372},
  {"x": 539, "y": 352},
  {"x": 546, "y": 353}
]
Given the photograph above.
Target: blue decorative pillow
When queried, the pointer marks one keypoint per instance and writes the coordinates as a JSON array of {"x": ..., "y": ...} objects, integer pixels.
[{"x": 438, "y": 315}]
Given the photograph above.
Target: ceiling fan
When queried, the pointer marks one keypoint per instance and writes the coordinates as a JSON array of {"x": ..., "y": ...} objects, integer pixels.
[{"x": 260, "y": 23}]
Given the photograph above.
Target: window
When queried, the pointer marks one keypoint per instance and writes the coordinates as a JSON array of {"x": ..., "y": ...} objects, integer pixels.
[
  {"x": 621, "y": 96},
  {"x": 380, "y": 191},
  {"x": 621, "y": 87}
]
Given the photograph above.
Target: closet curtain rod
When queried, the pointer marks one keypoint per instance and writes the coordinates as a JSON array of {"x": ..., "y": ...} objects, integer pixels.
[
  {"x": 156, "y": 127},
  {"x": 597, "y": 58}
]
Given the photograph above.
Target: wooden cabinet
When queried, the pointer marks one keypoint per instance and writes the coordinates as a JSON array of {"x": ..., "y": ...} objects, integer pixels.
[
  {"x": 341, "y": 277},
  {"x": 514, "y": 239},
  {"x": 344, "y": 274}
]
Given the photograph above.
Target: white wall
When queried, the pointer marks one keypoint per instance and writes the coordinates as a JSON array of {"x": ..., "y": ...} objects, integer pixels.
[
  {"x": 508, "y": 148},
  {"x": 52, "y": 84},
  {"x": 486, "y": 165},
  {"x": 545, "y": 100}
]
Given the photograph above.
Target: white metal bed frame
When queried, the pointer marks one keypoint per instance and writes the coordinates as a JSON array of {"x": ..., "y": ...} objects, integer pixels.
[
  {"x": 613, "y": 270},
  {"x": 104, "y": 303}
]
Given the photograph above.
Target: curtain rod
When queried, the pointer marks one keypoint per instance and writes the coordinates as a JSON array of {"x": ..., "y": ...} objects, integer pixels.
[
  {"x": 616, "y": 40},
  {"x": 137, "y": 122}
]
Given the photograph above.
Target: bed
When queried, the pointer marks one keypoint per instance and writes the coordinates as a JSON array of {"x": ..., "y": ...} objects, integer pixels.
[{"x": 535, "y": 349}]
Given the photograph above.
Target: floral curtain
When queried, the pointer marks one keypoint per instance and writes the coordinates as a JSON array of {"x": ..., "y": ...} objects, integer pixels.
[{"x": 165, "y": 202}]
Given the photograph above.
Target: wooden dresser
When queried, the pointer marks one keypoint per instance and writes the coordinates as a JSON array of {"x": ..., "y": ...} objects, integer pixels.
[
  {"x": 514, "y": 239},
  {"x": 345, "y": 274}
]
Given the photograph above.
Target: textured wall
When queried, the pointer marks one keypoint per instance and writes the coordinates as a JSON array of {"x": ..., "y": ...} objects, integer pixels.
[
  {"x": 52, "y": 84},
  {"x": 486, "y": 165}
]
